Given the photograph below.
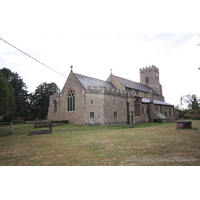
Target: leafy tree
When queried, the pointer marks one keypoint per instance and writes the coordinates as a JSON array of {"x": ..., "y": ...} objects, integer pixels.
[
  {"x": 40, "y": 99},
  {"x": 20, "y": 91},
  {"x": 7, "y": 98},
  {"x": 191, "y": 100}
]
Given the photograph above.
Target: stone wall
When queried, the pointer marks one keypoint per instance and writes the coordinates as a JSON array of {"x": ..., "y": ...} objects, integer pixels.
[
  {"x": 152, "y": 72},
  {"x": 119, "y": 106},
  {"x": 116, "y": 82},
  {"x": 104, "y": 102},
  {"x": 94, "y": 102},
  {"x": 74, "y": 117}
]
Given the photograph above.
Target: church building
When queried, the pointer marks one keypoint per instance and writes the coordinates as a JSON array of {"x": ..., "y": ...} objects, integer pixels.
[{"x": 86, "y": 100}]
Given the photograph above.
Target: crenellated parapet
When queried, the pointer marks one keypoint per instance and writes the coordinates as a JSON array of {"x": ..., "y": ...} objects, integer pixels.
[
  {"x": 150, "y": 68},
  {"x": 110, "y": 91}
]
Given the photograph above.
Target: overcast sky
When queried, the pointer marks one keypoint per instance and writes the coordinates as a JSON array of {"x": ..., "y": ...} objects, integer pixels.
[{"x": 98, "y": 37}]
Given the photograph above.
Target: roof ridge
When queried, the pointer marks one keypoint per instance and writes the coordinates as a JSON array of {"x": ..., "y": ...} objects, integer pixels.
[
  {"x": 87, "y": 80},
  {"x": 136, "y": 83},
  {"x": 131, "y": 80},
  {"x": 90, "y": 77},
  {"x": 125, "y": 79}
]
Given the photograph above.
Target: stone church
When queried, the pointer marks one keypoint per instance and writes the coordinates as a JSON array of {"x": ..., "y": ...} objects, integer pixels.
[{"x": 86, "y": 100}]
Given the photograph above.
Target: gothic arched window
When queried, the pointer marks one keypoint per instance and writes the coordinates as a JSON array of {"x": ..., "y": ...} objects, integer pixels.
[
  {"x": 55, "y": 106},
  {"x": 71, "y": 100},
  {"x": 137, "y": 107}
]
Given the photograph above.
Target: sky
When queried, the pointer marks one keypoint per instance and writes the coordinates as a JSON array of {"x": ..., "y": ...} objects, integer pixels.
[{"x": 98, "y": 37}]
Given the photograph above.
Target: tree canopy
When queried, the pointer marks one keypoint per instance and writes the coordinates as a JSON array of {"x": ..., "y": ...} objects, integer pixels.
[
  {"x": 7, "y": 98},
  {"x": 20, "y": 92},
  {"x": 16, "y": 101},
  {"x": 40, "y": 99},
  {"x": 191, "y": 100}
]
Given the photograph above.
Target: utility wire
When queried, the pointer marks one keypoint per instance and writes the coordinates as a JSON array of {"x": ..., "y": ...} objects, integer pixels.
[{"x": 32, "y": 57}]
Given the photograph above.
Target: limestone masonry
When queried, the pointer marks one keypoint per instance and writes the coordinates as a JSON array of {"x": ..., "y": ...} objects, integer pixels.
[{"x": 86, "y": 100}]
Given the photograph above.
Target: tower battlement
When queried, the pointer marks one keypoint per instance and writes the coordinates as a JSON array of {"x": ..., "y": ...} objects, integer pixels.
[
  {"x": 150, "y": 76},
  {"x": 148, "y": 69}
]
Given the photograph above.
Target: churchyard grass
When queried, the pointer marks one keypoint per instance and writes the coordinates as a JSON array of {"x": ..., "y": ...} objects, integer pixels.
[{"x": 153, "y": 144}]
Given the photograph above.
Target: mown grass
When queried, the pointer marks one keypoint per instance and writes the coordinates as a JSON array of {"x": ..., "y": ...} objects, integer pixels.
[{"x": 73, "y": 145}]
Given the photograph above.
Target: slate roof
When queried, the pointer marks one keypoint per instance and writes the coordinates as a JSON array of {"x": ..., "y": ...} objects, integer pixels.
[
  {"x": 159, "y": 102},
  {"x": 88, "y": 81},
  {"x": 135, "y": 85}
]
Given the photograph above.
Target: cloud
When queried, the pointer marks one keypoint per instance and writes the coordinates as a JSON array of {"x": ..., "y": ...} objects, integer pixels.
[{"x": 176, "y": 55}]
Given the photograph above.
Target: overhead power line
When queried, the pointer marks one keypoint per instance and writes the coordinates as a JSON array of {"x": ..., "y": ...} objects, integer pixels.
[{"x": 32, "y": 57}]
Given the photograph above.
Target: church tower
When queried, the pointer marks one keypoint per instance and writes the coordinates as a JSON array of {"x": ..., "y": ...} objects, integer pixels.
[{"x": 150, "y": 76}]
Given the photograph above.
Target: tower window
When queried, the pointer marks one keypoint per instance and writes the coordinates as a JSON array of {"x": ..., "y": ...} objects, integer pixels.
[
  {"x": 147, "y": 79},
  {"x": 91, "y": 101},
  {"x": 115, "y": 115}
]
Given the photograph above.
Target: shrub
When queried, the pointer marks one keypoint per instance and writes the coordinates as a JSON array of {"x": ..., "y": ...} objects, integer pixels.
[
  {"x": 196, "y": 118},
  {"x": 158, "y": 120},
  {"x": 186, "y": 116},
  {"x": 180, "y": 115},
  {"x": 191, "y": 111}
]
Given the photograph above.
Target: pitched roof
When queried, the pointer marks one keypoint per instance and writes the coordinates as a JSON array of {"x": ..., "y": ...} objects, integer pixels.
[
  {"x": 159, "y": 102},
  {"x": 134, "y": 85},
  {"x": 88, "y": 81}
]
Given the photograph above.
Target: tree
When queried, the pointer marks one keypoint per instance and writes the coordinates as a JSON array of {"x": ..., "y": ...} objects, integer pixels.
[
  {"x": 20, "y": 91},
  {"x": 40, "y": 99},
  {"x": 7, "y": 98},
  {"x": 191, "y": 100}
]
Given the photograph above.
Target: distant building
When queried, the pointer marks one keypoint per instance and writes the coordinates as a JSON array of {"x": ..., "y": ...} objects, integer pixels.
[{"x": 86, "y": 100}]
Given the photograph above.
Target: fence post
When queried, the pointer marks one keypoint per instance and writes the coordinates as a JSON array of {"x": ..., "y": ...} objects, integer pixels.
[
  {"x": 11, "y": 128},
  {"x": 50, "y": 127}
]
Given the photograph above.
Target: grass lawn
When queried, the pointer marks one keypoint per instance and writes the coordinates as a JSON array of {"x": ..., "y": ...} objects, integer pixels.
[{"x": 145, "y": 145}]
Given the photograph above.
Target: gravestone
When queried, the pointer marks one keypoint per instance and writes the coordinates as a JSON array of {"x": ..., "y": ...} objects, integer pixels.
[
  {"x": 184, "y": 124},
  {"x": 38, "y": 132}
]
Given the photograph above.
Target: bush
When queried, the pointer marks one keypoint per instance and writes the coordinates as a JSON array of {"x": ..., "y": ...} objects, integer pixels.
[
  {"x": 158, "y": 120},
  {"x": 196, "y": 118},
  {"x": 60, "y": 121},
  {"x": 186, "y": 116},
  {"x": 191, "y": 111},
  {"x": 180, "y": 115}
]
